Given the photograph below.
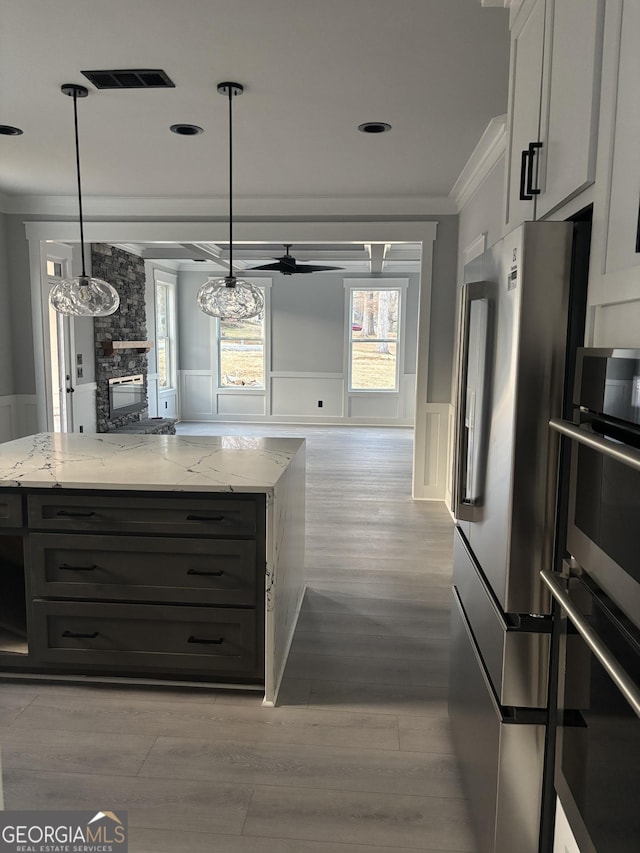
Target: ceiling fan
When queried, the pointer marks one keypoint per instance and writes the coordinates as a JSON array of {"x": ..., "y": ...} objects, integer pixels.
[{"x": 288, "y": 265}]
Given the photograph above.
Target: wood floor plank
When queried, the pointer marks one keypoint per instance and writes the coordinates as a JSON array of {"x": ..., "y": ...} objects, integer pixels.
[
  {"x": 13, "y": 703},
  {"x": 342, "y": 667},
  {"x": 153, "y": 803},
  {"x": 330, "y": 601},
  {"x": 163, "y": 841},
  {"x": 241, "y": 721},
  {"x": 435, "y": 622},
  {"x": 425, "y": 734},
  {"x": 379, "y": 698},
  {"x": 371, "y": 645},
  {"x": 74, "y": 751},
  {"x": 241, "y": 763},
  {"x": 423, "y": 823}
]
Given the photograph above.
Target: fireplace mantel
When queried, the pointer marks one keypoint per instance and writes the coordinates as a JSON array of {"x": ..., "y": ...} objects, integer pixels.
[{"x": 109, "y": 347}]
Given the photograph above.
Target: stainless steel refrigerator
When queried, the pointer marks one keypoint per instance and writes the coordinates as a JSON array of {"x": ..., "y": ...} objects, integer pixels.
[{"x": 512, "y": 364}]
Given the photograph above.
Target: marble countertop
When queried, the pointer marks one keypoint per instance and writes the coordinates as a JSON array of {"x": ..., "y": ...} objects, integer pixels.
[{"x": 197, "y": 463}]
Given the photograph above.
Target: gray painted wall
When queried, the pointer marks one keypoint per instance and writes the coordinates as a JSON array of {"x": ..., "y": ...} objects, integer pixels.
[
  {"x": 6, "y": 337},
  {"x": 24, "y": 380},
  {"x": 307, "y": 322},
  {"x": 443, "y": 310}
]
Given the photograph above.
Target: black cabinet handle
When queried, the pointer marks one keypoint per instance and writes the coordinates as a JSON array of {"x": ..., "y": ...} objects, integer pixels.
[
  {"x": 204, "y": 642},
  {"x": 78, "y": 635},
  {"x": 66, "y": 567},
  {"x": 205, "y": 574},
  {"x": 531, "y": 190},
  {"x": 527, "y": 190},
  {"x": 523, "y": 175},
  {"x": 205, "y": 518},
  {"x": 65, "y": 513}
]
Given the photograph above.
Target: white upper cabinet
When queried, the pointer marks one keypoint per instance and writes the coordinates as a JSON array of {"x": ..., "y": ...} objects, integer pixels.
[
  {"x": 624, "y": 222},
  {"x": 614, "y": 273},
  {"x": 525, "y": 82},
  {"x": 554, "y": 103}
]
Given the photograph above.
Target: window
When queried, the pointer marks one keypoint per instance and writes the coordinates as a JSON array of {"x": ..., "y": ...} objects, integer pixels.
[
  {"x": 241, "y": 352},
  {"x": 165, "y": 335},
  {"x": 54, "y": 268},
  {"x": 373, "y": 339}
]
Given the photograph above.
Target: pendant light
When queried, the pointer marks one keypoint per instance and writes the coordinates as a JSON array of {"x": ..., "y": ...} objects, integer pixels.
[
  {"x": 82, "y": 296},
  {"x": 230, "y": 298}
]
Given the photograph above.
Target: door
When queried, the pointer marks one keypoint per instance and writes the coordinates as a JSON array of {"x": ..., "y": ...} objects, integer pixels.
[
  {"x": 569, "y": 118},
  {"x": 58, "y": 345}
]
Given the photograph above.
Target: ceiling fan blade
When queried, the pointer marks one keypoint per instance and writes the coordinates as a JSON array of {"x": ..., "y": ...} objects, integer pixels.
[
  {"x": 276, "y": 266},
  {"x": 315, "y": 268}
]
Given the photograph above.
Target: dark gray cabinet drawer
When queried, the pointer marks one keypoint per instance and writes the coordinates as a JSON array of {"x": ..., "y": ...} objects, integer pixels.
[
  {"x": 142, "y": 637},
  {"x": 166, "y": 516},
  {"x": 10, "y": 510},
  {"x": 188, "y": 571}
]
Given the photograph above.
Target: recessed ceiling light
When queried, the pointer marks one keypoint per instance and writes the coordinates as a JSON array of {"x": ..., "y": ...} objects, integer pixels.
[
  {"x": 8, "y": 130},
  {"x": 374, "y": 127},
  {"x": 186, "y": 129}
]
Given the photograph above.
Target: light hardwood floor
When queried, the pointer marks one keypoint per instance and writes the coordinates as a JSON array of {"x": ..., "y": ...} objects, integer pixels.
[{"x": 357, "y": 757}]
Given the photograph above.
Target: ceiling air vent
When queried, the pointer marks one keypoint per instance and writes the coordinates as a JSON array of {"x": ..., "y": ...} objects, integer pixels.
[{"x": 130, "y": 78}]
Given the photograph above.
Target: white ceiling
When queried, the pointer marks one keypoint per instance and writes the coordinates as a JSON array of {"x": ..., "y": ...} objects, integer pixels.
[{"x": 313, "y": 70}]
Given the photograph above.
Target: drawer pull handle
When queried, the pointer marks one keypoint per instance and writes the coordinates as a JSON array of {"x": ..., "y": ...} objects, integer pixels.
[
  {"x": 65, "y": 567},
  {"x": 205, "y": 518},
  {"x": 78, "y": 635},
  {"x": 65, "y": 513},
  {"x": 204, "y": 642},
  {"x": 205, "y": 574}
]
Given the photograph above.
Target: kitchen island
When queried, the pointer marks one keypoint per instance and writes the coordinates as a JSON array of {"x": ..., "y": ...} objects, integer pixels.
[{"x": 165, "y": 558}]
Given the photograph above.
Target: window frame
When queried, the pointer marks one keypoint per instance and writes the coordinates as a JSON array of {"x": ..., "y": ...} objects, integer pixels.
[
  {"x": 161, "y": 280},
  {"x": 363, "y": 284},
  {"x": 265, "y": 286}
]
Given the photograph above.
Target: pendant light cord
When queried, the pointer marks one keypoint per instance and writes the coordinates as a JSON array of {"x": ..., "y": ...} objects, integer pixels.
[
  {"x": 230, "y": 184},
  {"x": 75, "y": 124}
]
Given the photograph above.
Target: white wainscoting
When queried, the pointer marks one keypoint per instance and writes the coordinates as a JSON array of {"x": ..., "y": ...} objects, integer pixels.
[
  {"x": 152, "y": 395},
  {"x": 197, "y": 400},
  {"x": 430, "y": 452},
  {"x": 297, "y": 394},
  {"x": 293, "y": 398},
  {"x": 18, "y": 416},
  {"x": 231, "y": 403},
  {"x": 84, "y": 408}
]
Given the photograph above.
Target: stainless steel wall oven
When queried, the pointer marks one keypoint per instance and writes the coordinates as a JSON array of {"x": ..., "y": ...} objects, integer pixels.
[{"x": 597, "y": 774}]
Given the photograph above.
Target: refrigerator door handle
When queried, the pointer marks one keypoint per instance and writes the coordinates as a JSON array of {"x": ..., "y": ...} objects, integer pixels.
[{"x": 472, "y": 400}]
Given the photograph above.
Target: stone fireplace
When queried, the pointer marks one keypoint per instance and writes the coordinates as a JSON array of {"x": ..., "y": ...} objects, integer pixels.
[{"x": 126, "y": 273}]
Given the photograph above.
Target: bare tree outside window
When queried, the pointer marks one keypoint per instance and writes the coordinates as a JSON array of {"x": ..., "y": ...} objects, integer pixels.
[
  {"x": 374, "y": 339},
  {"x": 241, "y": 361}
]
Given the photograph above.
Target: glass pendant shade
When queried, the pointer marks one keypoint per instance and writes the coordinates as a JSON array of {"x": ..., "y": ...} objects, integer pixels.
[
  {"x": 230, "y": 298},
  {"x": 84, "y": 297}
]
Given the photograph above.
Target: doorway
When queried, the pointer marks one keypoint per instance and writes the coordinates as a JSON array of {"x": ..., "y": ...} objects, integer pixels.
[{"x": 59, "y": 348}]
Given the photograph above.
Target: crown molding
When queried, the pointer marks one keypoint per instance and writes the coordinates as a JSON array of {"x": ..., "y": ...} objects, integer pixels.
[
  {"x": 486, "y": 154},
  {"x": 217, "y": 207}
]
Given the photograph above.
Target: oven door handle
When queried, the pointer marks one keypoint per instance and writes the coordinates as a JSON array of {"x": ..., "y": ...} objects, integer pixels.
[
  {"x": 620, "y": 452},
  {"x": 621, "y": 678}
]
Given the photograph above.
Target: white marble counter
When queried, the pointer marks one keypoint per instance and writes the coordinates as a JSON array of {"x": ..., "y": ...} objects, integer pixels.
[{"x": 195, "y": 463}]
